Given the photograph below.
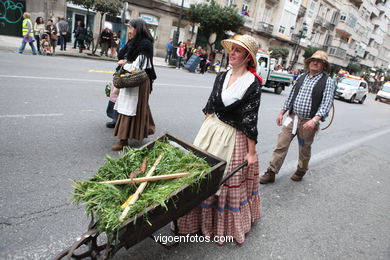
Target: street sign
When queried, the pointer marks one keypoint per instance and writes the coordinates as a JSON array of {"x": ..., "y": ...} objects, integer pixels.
[{"x": 192, "y": 63}]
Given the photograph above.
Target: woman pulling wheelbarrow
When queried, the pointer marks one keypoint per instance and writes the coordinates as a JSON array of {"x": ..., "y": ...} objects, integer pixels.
[{"x": 229, "y": 131}]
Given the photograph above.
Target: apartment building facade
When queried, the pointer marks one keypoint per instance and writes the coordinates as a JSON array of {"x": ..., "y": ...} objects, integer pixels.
[{"x": 350, "y": 30}]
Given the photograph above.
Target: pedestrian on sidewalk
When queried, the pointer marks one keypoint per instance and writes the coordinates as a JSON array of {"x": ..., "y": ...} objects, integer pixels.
[
  {"x": 229, "y": 131},
  {"x": 189, "y": 51},
  {"x": 39, "y": 30},
  {"x": 203, "y": 62},
  {"x": 105, "y": 41},
  {"x": 169, "y": 49},
  {"x": 63, "y": 28},
  {"x": 135, "y": 120},
  {"x": 81, "y": 34},
  {"x": 28, "y": 34},
  {"x": 114, "y": 44},
  {"x": 309, "y": 103},
  {"x": 75, "y": 31},
  {"x": 180, "y": 52},
  {"x": 89, "y": 38},
  {"x": 51, "y": 30}
]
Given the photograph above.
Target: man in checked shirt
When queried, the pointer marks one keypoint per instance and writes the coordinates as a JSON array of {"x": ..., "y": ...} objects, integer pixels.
[{"x": 308, "y": 103}]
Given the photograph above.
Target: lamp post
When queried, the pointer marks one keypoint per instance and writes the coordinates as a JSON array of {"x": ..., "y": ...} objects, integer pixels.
[
  {"x": 300, "y": 35},
  {"x": 173, "y": 57}
]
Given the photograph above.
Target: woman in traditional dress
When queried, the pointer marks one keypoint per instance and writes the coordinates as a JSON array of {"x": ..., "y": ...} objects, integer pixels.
[
  {"x": 135, "y": 120},
  {"x": 230, "y": 132}
]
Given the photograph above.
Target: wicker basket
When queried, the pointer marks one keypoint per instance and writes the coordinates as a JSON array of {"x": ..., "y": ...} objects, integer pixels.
[{"x": 131, "y": 81}]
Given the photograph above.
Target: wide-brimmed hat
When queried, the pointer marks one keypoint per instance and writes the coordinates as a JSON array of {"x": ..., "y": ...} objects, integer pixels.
[
  {"x": 319, "y": 55},
  {"x": 246, "y": 41}
]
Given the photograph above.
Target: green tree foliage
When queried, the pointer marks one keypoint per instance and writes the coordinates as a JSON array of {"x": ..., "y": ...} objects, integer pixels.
[
  {"x": 354, "y": 68},
  {"x": 214, "y": 18},
  {"x": 309, "y": 51},
  {"x": 279, "y": 52}
]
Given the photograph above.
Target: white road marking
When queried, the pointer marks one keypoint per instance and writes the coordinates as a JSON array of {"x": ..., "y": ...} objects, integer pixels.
[
  {"x": 181, "y": 85},
  {"x": 96, "y": 80},
  {"x": 29, "y": 115},
  {"x": 52, "y": 78}
]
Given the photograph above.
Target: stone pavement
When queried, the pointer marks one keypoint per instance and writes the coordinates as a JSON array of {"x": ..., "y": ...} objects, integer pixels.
[{"x": 12, "y": 43}]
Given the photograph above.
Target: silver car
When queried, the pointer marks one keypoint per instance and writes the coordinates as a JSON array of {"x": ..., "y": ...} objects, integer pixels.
[{"x": 352, "y": 89}]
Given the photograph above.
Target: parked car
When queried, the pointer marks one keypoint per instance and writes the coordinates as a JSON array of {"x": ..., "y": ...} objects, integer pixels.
[
  {"x": 383, "y": 95},
  {"x": 352, "y": 89}
]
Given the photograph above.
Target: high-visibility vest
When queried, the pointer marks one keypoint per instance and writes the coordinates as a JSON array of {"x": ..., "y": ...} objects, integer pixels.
[{"x": 25, "y": 27}]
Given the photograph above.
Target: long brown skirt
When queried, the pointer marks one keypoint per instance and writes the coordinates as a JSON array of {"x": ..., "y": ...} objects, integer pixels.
[{"x": 141, "y": 125}]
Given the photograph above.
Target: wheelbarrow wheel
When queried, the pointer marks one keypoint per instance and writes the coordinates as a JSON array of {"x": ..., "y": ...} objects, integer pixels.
[{"x": 86, "y": 246}]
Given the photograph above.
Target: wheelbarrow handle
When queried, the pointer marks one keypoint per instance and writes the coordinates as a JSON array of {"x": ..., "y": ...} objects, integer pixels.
[{"x": 230, "y": 174}]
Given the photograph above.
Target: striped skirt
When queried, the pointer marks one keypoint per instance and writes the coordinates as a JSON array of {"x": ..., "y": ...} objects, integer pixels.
[{"x": 232, "y": 212}]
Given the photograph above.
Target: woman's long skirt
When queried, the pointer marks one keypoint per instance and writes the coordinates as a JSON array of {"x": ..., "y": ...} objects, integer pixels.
[
  {"x": 232, "y": 212},
  {"x": 141, "y": 125}
]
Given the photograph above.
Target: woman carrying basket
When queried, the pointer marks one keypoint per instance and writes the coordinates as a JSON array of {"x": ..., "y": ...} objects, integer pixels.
[
  {"x": 135, "y": 120},
  {"x": 229, "y": 131}
]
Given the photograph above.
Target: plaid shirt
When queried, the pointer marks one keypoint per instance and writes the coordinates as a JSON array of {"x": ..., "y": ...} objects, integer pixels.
[{"x": 302, "y": 104}]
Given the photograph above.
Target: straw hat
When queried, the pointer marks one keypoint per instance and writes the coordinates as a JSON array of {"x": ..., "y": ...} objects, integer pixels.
[
  {"x": 319, "y": 55},
  {"x": 246, "y": 41}
]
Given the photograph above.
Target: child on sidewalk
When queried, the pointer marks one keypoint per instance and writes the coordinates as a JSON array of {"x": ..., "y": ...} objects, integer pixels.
[{"x": 45, "y": 43}]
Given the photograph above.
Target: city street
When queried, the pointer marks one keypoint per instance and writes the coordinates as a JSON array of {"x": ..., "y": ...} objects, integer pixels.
[{"x": 52, "y": 124}]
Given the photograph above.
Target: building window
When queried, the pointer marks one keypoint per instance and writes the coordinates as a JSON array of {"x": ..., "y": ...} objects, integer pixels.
[
  {"x": 245, "y": 9},
  {"x": 343, "y": 17},
  {"x": 282, "y": 29},
  {"x": 229, "y": 3},
  {"x": 267, "y": 11},
  {"x": 351, "y": 20},
  {"x": 312, "y": 6}
]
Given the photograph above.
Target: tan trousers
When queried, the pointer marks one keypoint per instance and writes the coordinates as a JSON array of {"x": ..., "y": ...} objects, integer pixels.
[{"x": 305, "y": 140}]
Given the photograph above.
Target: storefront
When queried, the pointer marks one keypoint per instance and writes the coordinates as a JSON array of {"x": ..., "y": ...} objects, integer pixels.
[
  {"x": 152, "y": 22},
  {"x": 76, "y": 13}
]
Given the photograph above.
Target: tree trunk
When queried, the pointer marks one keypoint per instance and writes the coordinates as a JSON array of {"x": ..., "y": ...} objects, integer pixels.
[{"x": 100, "y": 32}]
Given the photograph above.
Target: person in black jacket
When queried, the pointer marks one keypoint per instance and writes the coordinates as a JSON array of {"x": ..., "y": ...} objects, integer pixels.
[
  {"x": 229, "y": 131},
  {"x": 81, "y": 34},
  {"x": 105, "y": 41},
  {"x": 135, "y": 119}
]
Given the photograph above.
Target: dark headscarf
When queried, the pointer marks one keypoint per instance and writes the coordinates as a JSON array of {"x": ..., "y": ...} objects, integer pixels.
[{"x": 141, "y": 44}]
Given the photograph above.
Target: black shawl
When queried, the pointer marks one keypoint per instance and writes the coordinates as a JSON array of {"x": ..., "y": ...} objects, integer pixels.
[
  {"x": 242, "y": 114},
  {"x": 132, "y": 50}
]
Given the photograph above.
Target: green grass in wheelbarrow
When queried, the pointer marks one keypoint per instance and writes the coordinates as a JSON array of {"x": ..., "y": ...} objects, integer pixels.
[{"x": 104, "y": 200}]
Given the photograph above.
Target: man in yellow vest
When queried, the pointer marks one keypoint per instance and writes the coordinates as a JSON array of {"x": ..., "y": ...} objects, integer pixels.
[{"x": 28, "y": 34}]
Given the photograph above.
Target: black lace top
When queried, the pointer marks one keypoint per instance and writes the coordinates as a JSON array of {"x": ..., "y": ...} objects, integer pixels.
[{"x": 242, "y": 114}]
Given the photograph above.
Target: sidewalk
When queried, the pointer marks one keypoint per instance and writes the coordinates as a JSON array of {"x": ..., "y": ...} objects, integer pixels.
[{"x": 11, "y": 43}]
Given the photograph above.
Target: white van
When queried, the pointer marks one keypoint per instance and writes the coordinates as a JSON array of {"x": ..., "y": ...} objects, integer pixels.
[
  {"x": 352, "y": 88},
  {"x": 384, "y": 94}
]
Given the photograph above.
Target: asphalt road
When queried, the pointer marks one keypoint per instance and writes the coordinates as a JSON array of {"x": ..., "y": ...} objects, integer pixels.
[{"x": 52, "y": 125}]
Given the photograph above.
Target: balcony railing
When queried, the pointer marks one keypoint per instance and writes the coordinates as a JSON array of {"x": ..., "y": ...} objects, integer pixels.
[
  {"x": 336, "y": 52},
  {"x": 265, "y": 27},
  {"x": 302, "y": 11},
  {"x": 329, "y": 26},
  {"x": 248, "y": 22},
  {"x": 319, "y": 21},
  {"x": 273, "y": 2}
]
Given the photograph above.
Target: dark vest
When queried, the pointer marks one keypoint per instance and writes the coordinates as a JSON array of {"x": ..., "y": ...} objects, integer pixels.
[{"x": 316, "y": 96}]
